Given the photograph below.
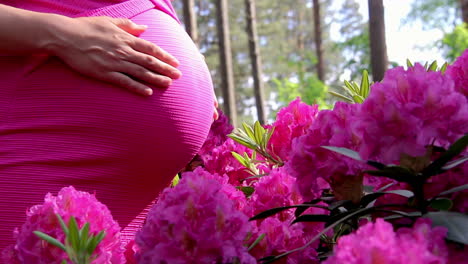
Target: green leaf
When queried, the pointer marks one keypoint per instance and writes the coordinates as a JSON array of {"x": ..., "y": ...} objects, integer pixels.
[
  {"x": 456, "y": 223},
  {"x": 63, "y": 225},
  {"x": 73, "y": 236},
  {"x": 258, "y": 240},
  {"x": 259, "y": 131},
  {"x": 245, "y": 142},
  {"x": 248, "y": 129},
  {"x": 454, "y": 190},
  {"x": 364, "y": 84},
  {"x": 240, "y": 159},
  {"x": 433, "y": 66},
  {"x": 344, "y": 151},
  {"x": 358, "y": 99},
  {"x": 50, "y": 240},
  {"x": 311, "y": 218},
  {"x": 247, "y": 190},
  {"x": 408, "y": 63},
  {"x": 342, "y": 97},
  {"x": 95, "y": 242},
  {"x": 444, "y": 67},
  {"x": 441, "y": 204},
  {"x": 83, "y": 235},
  {"x": 399, "y": 214},
  {"x": 454, "y": 150}
]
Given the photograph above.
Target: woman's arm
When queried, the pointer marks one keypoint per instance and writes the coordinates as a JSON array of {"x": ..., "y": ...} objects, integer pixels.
[{"x": 100, "y": 47}]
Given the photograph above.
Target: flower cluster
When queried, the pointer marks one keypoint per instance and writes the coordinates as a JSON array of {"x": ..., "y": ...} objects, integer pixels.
[
  {"x": 379, "y": 243},
  {"x": 68, "y": 203},
  {"x": 195, "y": 222}
]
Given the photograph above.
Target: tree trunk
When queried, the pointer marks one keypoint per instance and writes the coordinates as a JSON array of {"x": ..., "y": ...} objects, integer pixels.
[
  {"x": 464, "y": 9},
  {"x": 190, "y": 20},
  {"x": 318, "y": 41},
  {"x": 225, "y": 59},
  {"x": 255, "y": 59},
  {"x": 378, "y": 46}
]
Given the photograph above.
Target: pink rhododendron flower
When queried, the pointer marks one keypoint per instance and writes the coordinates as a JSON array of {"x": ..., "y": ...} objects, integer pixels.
[
  {"x": 69, "y": 202},
  {"x": 314, "y": 167},
  {"x": 217, "y": 135},
  {"x": 407, "y": 111},
  {"x": 277, "y": 190},
  {"x": 194, "y": 222},
  {"x": 379, "y": 243},
  {"x": 222, "y": 162},
  {"x": 291, "y": 122},
  {"x": 458, "y": 71}
]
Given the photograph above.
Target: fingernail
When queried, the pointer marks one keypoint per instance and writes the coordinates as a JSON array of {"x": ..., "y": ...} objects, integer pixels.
[
  {"x": 143, "y": 26},
  {"x": 148, "y": 92}
]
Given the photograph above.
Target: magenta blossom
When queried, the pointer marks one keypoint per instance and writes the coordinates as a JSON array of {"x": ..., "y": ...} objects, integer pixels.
[
  {"x": 194, "y": 222},
  {"x": 291, "y": 122},
  {"x": 458, "y": 71},
  {"x": 69, "y": 202},
  {"x": 378, "y": 243},
  {"x": 407, "y": 111},
  {"x": 316, "y": 168},
  {"x": 217, "y": 135}
]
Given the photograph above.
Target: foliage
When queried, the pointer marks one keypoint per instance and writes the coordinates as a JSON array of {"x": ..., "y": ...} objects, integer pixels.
[
  {"x": 455, "y": 42},
  {"x": 79, "y": 242},
  {"x": 440, "y": 14}
]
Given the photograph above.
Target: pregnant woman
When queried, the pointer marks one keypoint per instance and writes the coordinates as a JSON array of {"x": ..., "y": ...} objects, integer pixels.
[{"x": 75, "y": 108}]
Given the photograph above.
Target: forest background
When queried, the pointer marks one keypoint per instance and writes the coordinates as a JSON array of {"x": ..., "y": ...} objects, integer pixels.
[{"x": 288, "y": 36}]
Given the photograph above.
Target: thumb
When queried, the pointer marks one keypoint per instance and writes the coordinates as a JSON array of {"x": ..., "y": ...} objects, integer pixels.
[{"x": 129, "y": 26}]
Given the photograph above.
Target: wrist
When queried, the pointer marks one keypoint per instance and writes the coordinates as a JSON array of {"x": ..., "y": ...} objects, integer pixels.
[{"x": 52, "y": 37}]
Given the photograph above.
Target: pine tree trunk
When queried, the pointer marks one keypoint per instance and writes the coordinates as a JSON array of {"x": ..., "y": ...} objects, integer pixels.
[
  {"x": 318, "y": 41},
  {"x": 225, "y": 59},
  {"x": 464, "y": 9},
  {"x": 190, "y": 20},
  {"x": 378, "y": 46},
  {"x": 255, "y": 59}
]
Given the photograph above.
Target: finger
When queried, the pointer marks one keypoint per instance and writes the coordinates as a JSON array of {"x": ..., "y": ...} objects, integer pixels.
[
  {"x": 155, "y": 51},
  {"x": 145, "y": 75},
  {"x": 155, "y": 65},
  {"x": 126, "y": 82},
  {"x": 128, "y": 26},
  {"x": 215, "y": 114}
]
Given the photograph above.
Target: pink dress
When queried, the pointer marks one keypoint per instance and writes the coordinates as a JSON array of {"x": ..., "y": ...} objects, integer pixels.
[{"x": 58, "y": 128}]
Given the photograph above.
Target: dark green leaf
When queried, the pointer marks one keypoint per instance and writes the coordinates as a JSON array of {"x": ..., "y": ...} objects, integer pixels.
[
  {"x": 259, "y": 131},
  {"x": 376, "y": 164},
  {"x": 444, "y": 67},
  {"x": 247, "y": 190},
  {"x": 454, "y": 190},
  {"x": 455, "y": 163},
  {"x": 311, "y": 218},
  {"x": 367, "y": 199},
  {"x": 364, "y": 84},
  {"x": 240, "y": 159},
  {"x": 454, "y": 150},
  {"x": 456, "y": 223},
  {"x": 84, "y": 232},
  {"x": 345, "y": 152},
  {"x": 441, "y": 204},
  {"x": 399, "y": 214},
  {"x": 243, "y": 141},
  {"x": 342, "y": 97},
  {"x": 397, "y": 173},
  {"x": 276, "y": 210},
  {"x": 50, "y": 240}
]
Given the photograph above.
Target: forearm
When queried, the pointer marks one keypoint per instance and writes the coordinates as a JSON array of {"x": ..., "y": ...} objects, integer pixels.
[{"x": 27, "y": 32}]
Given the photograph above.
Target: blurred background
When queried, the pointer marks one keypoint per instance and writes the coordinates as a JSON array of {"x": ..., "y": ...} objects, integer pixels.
[{"x": 264, "y": 53}]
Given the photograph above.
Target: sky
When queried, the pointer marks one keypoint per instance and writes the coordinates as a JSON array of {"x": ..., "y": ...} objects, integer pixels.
[{"x": 403, "y": 40}]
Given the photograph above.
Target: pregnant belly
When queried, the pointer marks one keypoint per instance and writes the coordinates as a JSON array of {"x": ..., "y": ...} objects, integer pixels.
[{"x": 58, "y": 128}]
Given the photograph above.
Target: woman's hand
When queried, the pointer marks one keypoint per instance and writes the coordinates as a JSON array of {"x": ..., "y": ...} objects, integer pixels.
[{"x": 107, "y": 49}]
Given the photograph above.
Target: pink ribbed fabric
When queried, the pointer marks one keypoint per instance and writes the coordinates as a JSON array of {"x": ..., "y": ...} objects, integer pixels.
[{"x": 58, "y": 128}]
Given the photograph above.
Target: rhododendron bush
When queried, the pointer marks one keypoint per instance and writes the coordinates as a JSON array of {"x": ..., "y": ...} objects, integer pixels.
[{"x": 380, "y": 180}]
